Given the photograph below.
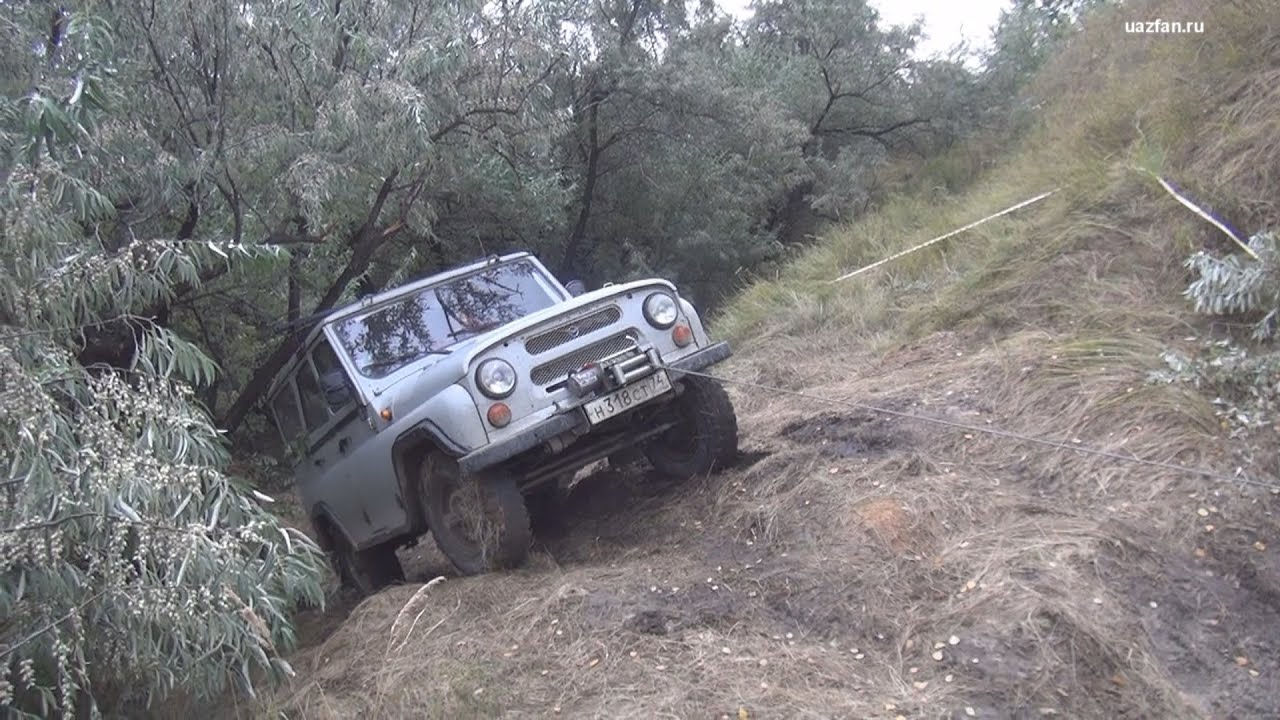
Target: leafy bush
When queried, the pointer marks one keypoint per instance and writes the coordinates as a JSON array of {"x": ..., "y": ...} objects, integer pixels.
[
  {"x": 130, "y": 562},
  {"x": 1238, "y": 285},
  {"x": 1245, "y": 382}
]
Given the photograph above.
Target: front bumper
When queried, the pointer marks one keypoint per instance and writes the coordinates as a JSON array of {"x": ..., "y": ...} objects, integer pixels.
[{"x": 574, "y": 421}]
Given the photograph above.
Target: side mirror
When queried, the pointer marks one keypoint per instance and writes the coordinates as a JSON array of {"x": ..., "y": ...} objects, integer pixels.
[{"x": 575, "y": 287}]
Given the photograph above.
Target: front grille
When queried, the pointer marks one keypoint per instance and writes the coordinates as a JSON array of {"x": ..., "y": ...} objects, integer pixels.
[
  {"x": 560, "y": 367},
  {"x": 551, "y": 339}
]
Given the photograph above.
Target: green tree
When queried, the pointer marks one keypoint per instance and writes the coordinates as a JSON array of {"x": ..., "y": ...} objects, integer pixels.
[
  {"x": 675, "y": 149},
  {"x": 130, "y": 562},
  {"x": 358, "y": 134},
  {"x": 855, "y": 87}
]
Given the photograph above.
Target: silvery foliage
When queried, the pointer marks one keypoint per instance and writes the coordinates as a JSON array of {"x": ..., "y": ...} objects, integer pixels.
[
  {"x": 1245, "y": 382},
  {"x": 1240, "y": 285},
  {"x": 130, "y": 562}
]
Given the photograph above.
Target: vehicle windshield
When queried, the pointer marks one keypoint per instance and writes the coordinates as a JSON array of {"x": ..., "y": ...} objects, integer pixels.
[{"x": 431, "y": 320}]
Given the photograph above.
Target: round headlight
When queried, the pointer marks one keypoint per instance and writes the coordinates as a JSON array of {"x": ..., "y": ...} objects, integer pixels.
[
  {"x": 660, "y": 310},
  {"x": 496, "y": 378}
]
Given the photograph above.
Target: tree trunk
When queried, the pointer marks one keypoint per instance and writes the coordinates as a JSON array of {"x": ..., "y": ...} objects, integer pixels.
[
  {"x": 573, "y": 250},
  {"x": 365, "y": 244}
]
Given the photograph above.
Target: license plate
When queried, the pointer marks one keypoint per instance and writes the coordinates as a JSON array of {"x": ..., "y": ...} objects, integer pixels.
[{"x": 623, "y": 399}]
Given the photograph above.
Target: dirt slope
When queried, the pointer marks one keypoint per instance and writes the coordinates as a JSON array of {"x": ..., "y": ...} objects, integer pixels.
[
  {"x": 860, "y": 565},
  {"x": 853, "y": 565}
]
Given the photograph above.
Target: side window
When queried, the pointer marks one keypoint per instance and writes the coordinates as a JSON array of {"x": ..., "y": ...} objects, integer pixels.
[
  {"x": 285, "y": 407},
  {"x": 334, "y": 383},
  {"x": 314, "y": 409}
]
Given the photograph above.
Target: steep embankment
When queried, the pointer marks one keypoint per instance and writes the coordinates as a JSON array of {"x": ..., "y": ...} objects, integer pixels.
[{"x": 861, "y": 565}]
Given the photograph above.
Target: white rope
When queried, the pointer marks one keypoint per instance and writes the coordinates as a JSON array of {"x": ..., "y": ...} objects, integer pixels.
[
  {"x": 940, "y": 238},
  {"x": 1207, "y": 216}
]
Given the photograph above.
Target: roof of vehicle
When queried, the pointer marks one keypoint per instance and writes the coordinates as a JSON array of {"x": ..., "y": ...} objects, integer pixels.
[{"x": 319, "y": 320}]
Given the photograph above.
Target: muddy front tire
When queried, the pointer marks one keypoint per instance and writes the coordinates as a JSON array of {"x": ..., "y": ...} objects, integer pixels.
[
  {"x": 705, "y": 437},
  {"x": 479, "y": 522}
]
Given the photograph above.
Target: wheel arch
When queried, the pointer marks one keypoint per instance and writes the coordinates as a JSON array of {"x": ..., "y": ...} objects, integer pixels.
[{"x": 407, "y": 454}]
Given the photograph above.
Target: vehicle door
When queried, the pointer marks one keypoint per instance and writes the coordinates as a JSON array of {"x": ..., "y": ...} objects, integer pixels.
[{"x": 338, "y": 435}]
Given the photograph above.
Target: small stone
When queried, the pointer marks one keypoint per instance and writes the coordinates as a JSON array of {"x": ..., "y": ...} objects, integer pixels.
[
  {"x": 1202, "y": 512},
  {"x": 859, "y": 656},
  {"x": 949, "y": 678},
  {"x": 1260, "y": 546},
  {"x": 953, "y": 640},
  {"x": 920, "y": 684},
  {"x": 970, "y": 711},
  {"x": 1242, "y": 660},
  {"x": 937, "y": 655},
  {"x": 725, "y": 650}
]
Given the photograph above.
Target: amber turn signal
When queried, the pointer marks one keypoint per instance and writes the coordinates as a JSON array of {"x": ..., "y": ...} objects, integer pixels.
[
  {"x": 499, "y": 415},
  {"x": 681, "y": 335},
  {"x": 385, "y": 414}
]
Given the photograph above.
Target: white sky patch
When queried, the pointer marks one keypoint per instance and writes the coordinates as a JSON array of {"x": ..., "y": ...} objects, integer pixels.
[{"x": 946, "y": 22}]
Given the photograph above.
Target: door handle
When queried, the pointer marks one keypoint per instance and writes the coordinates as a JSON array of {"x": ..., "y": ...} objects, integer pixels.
[
  {"x": 319, "y": 462},
  {"x": 343, "y": 444}
]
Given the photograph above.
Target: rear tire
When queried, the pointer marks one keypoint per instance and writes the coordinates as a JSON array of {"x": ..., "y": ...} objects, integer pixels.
[
  {"x": 546, "y": 506},
  {"x": 479, "y": 522},
  {"x": 365, "y": 571},
  {"x": 705, "y": 437}
]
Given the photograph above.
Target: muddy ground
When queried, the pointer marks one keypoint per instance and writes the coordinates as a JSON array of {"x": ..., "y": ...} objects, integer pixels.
[{"x": 855, "y": 565}]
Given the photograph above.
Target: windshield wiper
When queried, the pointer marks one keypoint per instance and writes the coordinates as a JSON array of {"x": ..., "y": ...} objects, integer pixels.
[{"x": 401, "y": 360}]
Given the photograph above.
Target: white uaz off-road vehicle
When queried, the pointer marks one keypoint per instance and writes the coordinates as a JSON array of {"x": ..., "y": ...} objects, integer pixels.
[{"x": 444, "y": 404}]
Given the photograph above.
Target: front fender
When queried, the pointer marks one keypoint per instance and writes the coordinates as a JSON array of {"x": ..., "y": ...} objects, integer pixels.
[
  {"x": 695, "y": 323},
  {"x": 450, "y": 418},
  {"x": 448, "y": 422}
]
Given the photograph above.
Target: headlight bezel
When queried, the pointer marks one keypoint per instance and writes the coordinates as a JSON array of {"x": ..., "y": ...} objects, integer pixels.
[
  {"x": 485, "y": 388},
  {"x": 649, "y": 314}
]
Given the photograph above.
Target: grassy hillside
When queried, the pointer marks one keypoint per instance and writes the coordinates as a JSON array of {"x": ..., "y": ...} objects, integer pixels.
[{"x": 864, "y": 565}]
